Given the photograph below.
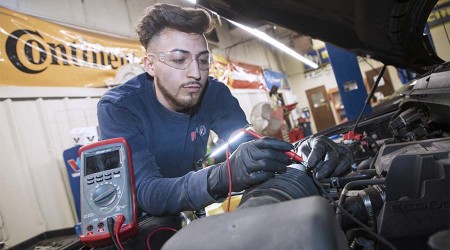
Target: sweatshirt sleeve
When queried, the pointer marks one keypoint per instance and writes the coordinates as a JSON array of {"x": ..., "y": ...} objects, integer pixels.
[{"x": 155, "y": 194}]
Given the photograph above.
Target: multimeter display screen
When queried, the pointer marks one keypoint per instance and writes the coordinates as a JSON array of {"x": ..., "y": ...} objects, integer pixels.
[{"x": 102, "y": 162}]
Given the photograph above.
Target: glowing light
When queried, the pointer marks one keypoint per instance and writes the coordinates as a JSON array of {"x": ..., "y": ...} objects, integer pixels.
[
  {"x": 276, "y": 44},
  {"x": 224, "y": 146}
]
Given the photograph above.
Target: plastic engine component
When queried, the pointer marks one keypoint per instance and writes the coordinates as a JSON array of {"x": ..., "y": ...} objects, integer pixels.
[
  {"x": 307, "y": 223},
  {"x": 417, "y": 192}
]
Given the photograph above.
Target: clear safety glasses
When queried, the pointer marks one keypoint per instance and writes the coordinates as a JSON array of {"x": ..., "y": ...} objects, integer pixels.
[{"x": 181, "y": 59}]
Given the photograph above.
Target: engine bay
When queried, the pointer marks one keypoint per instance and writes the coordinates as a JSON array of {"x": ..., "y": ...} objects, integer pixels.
[
  {"x": 402, "y": 176},
  {"x": 395, "y": 197}
]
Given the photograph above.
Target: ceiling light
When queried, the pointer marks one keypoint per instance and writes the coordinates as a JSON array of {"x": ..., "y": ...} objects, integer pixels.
[{"x": 275, "y": 43}]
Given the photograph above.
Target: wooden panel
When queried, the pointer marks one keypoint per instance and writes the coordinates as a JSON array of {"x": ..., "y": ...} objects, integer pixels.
[{"x": 320, "y": 108}]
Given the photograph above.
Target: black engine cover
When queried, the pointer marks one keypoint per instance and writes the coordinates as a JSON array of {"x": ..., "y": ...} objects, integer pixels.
[
  {"x": 307, "y": 223},
  {"x": 417, "y": 191}
]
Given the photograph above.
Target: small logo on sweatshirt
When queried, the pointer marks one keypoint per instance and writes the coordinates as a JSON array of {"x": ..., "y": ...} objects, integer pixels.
[{"x": 201, "y": 130}]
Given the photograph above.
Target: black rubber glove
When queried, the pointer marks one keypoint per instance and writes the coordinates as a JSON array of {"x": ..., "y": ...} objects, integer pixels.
[
  {"x": 325, "y": 157},
  {"x": 252, "y": 162}
]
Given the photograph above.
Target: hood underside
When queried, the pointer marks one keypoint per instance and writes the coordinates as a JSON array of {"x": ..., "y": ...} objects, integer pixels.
[{"x": 386, "y": 30}]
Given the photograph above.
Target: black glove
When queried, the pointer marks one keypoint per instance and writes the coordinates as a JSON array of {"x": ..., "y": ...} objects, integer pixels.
[
  {"x": 252, "y": 162},
  {"x": 325, "y": 157}
]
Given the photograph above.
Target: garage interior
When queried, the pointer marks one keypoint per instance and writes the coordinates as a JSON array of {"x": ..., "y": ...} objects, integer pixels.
[{"x": 49, "y": 106}]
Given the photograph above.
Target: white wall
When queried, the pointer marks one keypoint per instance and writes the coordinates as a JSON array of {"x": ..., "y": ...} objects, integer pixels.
[
  {"x": 248, "y": 98},
  {"x": 110, "y": 16},
  {"x": 35, "y": 196},
  {"x": 440, "y": 40}
]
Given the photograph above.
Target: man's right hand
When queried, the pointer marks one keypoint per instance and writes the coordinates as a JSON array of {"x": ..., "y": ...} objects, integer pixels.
[{"x": 253, "y": 162}]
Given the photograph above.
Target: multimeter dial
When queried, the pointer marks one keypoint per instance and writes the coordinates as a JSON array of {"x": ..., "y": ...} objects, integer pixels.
[{"x": 104, "y": 195}]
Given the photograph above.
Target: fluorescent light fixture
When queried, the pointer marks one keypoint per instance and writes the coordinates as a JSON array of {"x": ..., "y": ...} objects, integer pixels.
[
  {"x": 224, "y": 146},
  {"x": 192, "y": 1},
  {"x": 277, "y": 44}
]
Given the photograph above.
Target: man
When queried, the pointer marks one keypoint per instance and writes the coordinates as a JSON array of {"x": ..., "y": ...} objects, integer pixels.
[{"x": 166, "y": 115}]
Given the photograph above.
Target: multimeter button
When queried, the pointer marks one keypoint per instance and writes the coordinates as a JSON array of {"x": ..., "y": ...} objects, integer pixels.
[
  {"x": 90, "y": 182},
  {"x": 116, "y": 172},
  {"x": 90, "y": 178},
  {"x": 107, "y": 174},
  {"x": 99, "y": 180},
  {"x": 99, "y": 176},
  {"x": 108, "y": 177}
]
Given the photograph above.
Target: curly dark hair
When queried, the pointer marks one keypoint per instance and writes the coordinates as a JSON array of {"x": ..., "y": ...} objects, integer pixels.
[{"x": 158, "y": 17}]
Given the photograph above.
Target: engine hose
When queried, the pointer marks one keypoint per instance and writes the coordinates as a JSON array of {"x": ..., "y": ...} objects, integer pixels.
[
  {"x": 363, "y": 206},
  {"x": 339, "y": 182},
  {"x": 352, "y": 185},
  {"x": 365, "y": 164},
  {"x": 293, "y": 184}
]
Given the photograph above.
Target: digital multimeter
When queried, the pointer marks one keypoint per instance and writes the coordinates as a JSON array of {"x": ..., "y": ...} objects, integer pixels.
[{"x": 107, "y": 190}]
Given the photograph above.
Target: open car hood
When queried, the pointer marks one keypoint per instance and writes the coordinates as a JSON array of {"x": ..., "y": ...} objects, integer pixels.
[{"x": 389, "y": 31}]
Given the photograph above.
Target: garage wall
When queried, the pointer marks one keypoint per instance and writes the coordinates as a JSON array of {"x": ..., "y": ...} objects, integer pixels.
[
  {"x": 110, "y": 16},
  {"x": 34, "y": 192},
  {"x": 440, "y": 40},
  {"x": 248, "y": 98}
]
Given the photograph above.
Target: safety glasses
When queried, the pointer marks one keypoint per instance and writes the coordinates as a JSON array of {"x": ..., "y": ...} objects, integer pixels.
[{"x": 181, "y": 59}]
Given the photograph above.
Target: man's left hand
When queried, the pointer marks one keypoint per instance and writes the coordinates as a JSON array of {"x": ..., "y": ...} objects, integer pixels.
[{"x": 325, "y": 157}]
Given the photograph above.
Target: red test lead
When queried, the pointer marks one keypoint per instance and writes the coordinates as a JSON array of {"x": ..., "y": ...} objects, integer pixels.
[{"x": 295, "y": 157}]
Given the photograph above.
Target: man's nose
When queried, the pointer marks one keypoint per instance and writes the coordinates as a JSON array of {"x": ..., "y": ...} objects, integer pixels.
[{"x": 194, "y": 70}]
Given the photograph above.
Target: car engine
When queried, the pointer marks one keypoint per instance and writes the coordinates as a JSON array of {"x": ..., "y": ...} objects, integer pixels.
[
  {"x": 403, "y": 186},
  {"x": 395, "y": 197}
]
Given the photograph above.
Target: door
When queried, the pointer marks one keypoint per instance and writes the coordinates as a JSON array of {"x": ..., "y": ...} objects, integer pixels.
[{"x": 320, "y": 108}]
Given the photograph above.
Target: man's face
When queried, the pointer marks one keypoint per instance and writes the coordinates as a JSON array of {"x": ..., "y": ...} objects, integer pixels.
[{"x": 177, "y": 89}]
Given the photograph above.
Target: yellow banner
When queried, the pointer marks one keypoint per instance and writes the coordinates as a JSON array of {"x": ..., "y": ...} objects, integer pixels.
[{"x": 35, "y": 52}]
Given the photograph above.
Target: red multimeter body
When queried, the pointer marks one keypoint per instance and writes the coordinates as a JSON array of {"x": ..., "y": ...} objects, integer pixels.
[{"x": 107, "y": 190}]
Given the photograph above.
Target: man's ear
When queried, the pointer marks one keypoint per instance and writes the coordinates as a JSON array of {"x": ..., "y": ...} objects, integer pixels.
[{"x": 149, "y": 65}]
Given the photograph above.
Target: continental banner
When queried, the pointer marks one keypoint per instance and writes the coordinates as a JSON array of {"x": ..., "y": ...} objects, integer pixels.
[
  {"x": 35, "y": 52},
  {"x": 440, "y": 13}
]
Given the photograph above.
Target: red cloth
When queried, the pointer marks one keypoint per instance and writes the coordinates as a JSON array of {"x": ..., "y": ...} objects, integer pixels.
[{"x": 296, "y": 134}]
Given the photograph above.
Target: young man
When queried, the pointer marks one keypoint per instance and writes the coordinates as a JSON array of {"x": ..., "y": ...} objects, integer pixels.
[{"x": 166, "y": 115}]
